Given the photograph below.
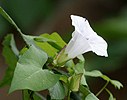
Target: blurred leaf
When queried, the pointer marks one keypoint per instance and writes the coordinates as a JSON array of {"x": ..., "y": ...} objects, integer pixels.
[
  {"x": 74, "y": 82},
  {"x": 55, "y": 45},
  {"x": 26, "y": 16},
  {"x": 3, "y": 27},
  {"x": 116, "y": 83},
  {"x": 111, "y": 96},
  {"x": 51, "y": 51},
  {"x": 43, "y": 39},
  {"x": 57, "y": 91},
  {"x": 10, "y": 58},
  {"x": 115, "y": 26},
  {"x": 29, "y": 73},
  {"x": 59, "y": 44},
  {"x": 94, "y": 73},
  {"x": 30, "y": 40},
  {"x": 46, "y": 42}
]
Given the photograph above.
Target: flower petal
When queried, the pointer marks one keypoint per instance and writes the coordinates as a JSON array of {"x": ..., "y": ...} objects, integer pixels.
[
  {"x": 77, "y": 46},
  {"x": 84, "y": 39}
]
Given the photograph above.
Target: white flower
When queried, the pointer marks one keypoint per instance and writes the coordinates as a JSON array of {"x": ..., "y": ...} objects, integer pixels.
[{"x": 84, "y": 39}]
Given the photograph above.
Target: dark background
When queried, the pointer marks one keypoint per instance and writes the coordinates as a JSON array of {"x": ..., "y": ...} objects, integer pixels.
[{"x": 107, "y": 17}]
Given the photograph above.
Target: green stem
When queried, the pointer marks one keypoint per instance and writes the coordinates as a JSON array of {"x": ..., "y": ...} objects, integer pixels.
[
  {"x": 40, "y": 96},
  {"x": 68, "y": 96},
  {"x": 102, "y": 88},
  {"x": 23, "y": 95}
]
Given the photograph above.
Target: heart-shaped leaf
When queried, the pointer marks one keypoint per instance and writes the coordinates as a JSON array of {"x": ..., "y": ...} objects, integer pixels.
[{"x": 29, "y": 73}]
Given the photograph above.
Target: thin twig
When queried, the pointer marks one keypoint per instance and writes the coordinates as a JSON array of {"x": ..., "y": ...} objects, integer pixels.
[{"x": 102, "y": 88}]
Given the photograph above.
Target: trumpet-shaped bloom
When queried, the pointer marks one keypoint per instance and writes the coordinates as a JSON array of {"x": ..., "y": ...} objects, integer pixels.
[{"x": 84, "y": 39}]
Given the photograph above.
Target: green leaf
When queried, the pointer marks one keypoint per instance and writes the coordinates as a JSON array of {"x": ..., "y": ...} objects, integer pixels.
[
  {"x": 9, "y": 19},
  {"x": 81, "y": 58},
  {"x": 59, "y": 44},
  {"x": 10, "y": 57},
  {"x": 57, "y": 91},
  {"x": 51, "y": 51},
  {"x": 43, "y": 39},
  {"x": 13, "y": 46},
  {"x": 111, "y": 96},
  {"x": 31, "y": 40},
  {"x": 94, "y": 73},
  {"x": 23, "y": 50},
  {"x": 116, "y": 83},
  {"x": 6, "y": 16},
  {"x": 91, "y": 96},
  {"x": 55, "y": 44},
  {"x": 74, "y": 82},
  {"x": 87, "y": 95},
  {"x": 29, "y": 73},
  {"x": 97, "y": 73},
  {"x": 70, "y": 65},
  {"x": 79, "y": 68}
]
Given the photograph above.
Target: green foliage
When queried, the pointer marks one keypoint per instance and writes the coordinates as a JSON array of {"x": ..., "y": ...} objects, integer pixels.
[
  {"x": 8, "y": 18},
  {"x": 29, "y": 72},
  {"x": 53, "y": 43},
  {"x": 57, "y": 91},
  {"x": 91, "y": 96},
  {"x": 96, "y": 73},
  {"x": 79, "y": 68},
  {"x": 36, "y": 71},
  {"x": 74, "y": 82},
  {"x": 59, "y": 43},
  {"x": 9, "y": 51},
  {"x": 87, "y": 95}
]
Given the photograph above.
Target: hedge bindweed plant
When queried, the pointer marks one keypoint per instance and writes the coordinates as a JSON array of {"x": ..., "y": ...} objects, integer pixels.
[{"x": 47, "y": 63}]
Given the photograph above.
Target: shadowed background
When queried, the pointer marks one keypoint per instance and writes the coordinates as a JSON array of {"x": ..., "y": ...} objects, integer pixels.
[{"x": 107, "y": 18}]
